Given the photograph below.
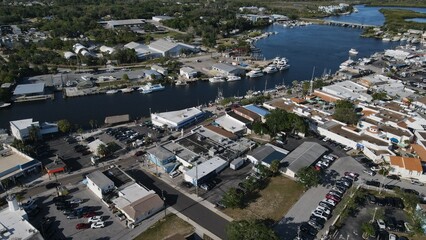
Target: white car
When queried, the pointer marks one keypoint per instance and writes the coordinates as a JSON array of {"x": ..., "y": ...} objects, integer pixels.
[
  {"x": 381, "y": 224},
  {"x": 329, "y": 201},
  {"x": 174, "y": 174},
  {"x": 336, "y": 189},
  {"x": 325, "y": 139},
  {"x": 97, "y": 225},
  {"x": 76, "y": 200},
  {"x": 329, "y": 157},
  {"x": 320, "y": 214},
  {"x": 324, "y": 163},
  {"x": 94, "y": 219},
  {"x": 392, "y": 236},
  {"x": 323, "y": 209},
  {"x": 347, "y": 148},
  {"x": 375, "y": 169}
]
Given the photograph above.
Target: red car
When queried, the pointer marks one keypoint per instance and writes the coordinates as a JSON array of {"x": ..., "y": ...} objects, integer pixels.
[
  {"x": 352, "y": 174},
  {"x": 82, "y": 226},
  {"x": 139, "y": 153},
  {"x": 332, "y": 197},
  {"x": 89, "y": 214}
]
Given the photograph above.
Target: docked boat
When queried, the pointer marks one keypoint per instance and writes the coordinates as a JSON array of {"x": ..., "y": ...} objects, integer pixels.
[
  {"x": 233, "y": 78},
  {"x": 114, "y": 91},
  {"x": 347, "y": 63},
  {"x": 149, "y": 88},
  {"x": 282, "y": 67},
  {"x": 180, "y": 83},
  {"x": 5, "y": 105},
  {"x": 353, "y": 51},
  {"x": 127, "y": 90},
  {"x": 255, "y": 73},
  {"x": 216, "y": 79},
  {"x": 386, "y": 39},
  {"x": 270, "y": 69}
]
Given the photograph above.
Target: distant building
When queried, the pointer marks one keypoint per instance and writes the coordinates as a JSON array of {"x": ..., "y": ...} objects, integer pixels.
[
  {"x": 161, "y": 18},
  {"x": 152, "y": 74},
  {"x": 406, "y": 167},
  {"x": 105, "y": 49},
  {"x": 29, "y": 89},
  {"x": 14, "y": 164},
  {"x": 14, "y": 222},
  {"x": 227, "y": 70},
  {"x": 261, "y": 112},
  {"x": 128, "y": 23},
  {"x": 68, "y": 55},
  {"x": 231, "y": 124},
  {"x": 177, "y": 119},
  {"x": 137, "y": 203},
  {"x": 169, "y": 48},
  {"x": 160, "y": 69},
  {"x": 21, "y": 128},
  {"x": 188, "y": 72},
  {"x": 99, "y": 184}
]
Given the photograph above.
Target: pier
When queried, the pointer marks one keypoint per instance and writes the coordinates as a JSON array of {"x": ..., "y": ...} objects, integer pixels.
[{"x": 349, "y": 24}]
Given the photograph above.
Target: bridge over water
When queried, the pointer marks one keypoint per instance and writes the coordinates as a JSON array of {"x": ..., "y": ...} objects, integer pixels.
[{"x": 349, "y": 24}]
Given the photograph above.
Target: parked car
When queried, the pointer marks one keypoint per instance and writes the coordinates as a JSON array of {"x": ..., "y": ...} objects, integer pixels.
[
  {"x": 391, "y": 224},
  {"x": 393, "y": 177},
  {"x": 139, "y": 153},
  {"x": 120, "y": 216},
  {"x": 416, "y": 182},
  {"x": 325, "y": 205},
  {"x": 352, "y": 174},
  {"x": 371, "y": 199},
  {"x": 411, "y": 191},
  {"x": 369, "y": 172},
  {"x": 82, "y": 226},
  {"x": 305, "y": 227},
  {"x": 392, "y": 236},
  {"x": 329, "y": 202},
  {"x": 174, "y": 174},
  {"x": 72, "y": 216},
  {"x": 316, "y": 225},
  {"x": 52, "y": 185},
  {"x": 94, "y": 219},
  {"x": 76, "y": 201},
  {"x": 317, "y": 219},
  {"x": 400, "y": 227},
  {"x": 97, "y": 225},
  {"x": 220, "y": 204},
  {"x": 333, "y": 197},
  {"x": 320, "y": 214},
  {"x": 381, "y": 223},
  {"x": 325, "y": 210},
  {"x": 373, "y": 183},
  {"x": 89, "y": 215}
]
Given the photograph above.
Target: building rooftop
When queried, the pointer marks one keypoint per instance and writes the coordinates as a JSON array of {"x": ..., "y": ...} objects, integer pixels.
[
  {"x": 420, "y": 151},
  {"x": 206, "y": 167},
  {"x": 411, "y": 164},
  {"x": 224, "y": 67},
  {"x": 139, "y": 208},
  {"x": 304, "y": 155},
  {"x": 267, "y": 154},
  {"x": 160, "y": 153},
  {"x": 11, "y": 162},
  {"x": 258, "y": 110},
  {"x": 230, "y": 124},
  {"x": 162, "y": 45},
  {"x": 24, "y": 89},
  {"x": 238, "y": 117},
  {"x": 187, "y": 70},
  {"x": 118, "y": 177},
  {"x": 247, "y": 113},
  {"x": 337, "y": 129},
  {"x": 222, "y": 132},
  {"x": 131, "y": 194},
  {"x": 123, "y": 22},
  {"x": 179, "y": 116},
  {"x": 182, "y": 152},
  {"x": 13, "y": 225},
  {"x": 23, "y": 124},
  {"x": 100, "y": 179}
]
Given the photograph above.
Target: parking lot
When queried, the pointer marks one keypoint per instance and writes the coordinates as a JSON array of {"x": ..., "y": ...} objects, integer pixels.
[
  {"x": 60, "y": 226},
  {"x": 75, "y": 160}
]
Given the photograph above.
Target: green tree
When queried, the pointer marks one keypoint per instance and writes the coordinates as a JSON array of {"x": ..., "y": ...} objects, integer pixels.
[
  {"x": 379, "y": 96},
  {"x": 125, "y": 77},
  {"x": 103, "y": 150},
  {"x": 367, "y": 229},
  {"x": 308, "y": 177},
  {"x": 250, "y": 230},
  {"x": 345, "y": 112},
  {"x": 250, "y": 185},
  {"x": 64, "y": 126},
  {"x": 34, "y": 133},
  {"x": 275, "y": 167},
  {"x": 232, "y": 199}
]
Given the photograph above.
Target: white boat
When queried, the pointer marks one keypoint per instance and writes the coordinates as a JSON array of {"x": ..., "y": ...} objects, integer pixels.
[
  {"x": 347, "y": 63},
  {"x": 180, "y": 83},
  {"x": 403, "y": 39},
  {"x": 112, "y": 91},
  {"x": 280, "y": 61},
  {"x": 282, "y": 67},
  {"x": 270, "y": 69},
  {"x": 353, "y": 51},
  {"x": 255, "y": 73},
  {"x": 233, "y": 78},
  {"x": 149, "y": 88},
  {"x": 127, "y": 90},
  {"x": 386, "y": 39},
  {"x": 4, "y": 105},
  {"x": 216, "y": 79}
]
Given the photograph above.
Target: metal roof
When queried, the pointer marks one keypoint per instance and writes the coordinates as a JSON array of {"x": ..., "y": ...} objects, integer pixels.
[
  {"x": 162, "y": 45},
  {"x": 304, "y": 155},
  {"x": 258, "y": 110},
  {"x": 24, "y": 89},
  {"x": 160, "y": 153},
  {"x": 224, "y": 67},
  {"x": 100, "y": 179},
  {"x": 267, "y": 154}
]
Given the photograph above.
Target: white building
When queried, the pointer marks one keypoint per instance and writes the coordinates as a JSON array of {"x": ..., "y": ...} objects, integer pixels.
[
  {"x": 177, "y": 119},
  {"x": 205, "y": 170},
  {"x": 94, "y": 146},
  {"x": 160, "y": 69},
  {"x": 14, "y": 223},
  {"x": 406, "y": 167},
  {"x": 161, "y": 18},
  {"x": 99, "y": 183},
  {"x": 169, "y": 48},
  {"x": 348, "y": 90},
  {"x": 137, "y": 203},
  {"x": 105, "y": 49},
  {"x": 21, "y": 128},
  {"x": 188, "y": 72},
  {"x": 231, "y": 124}
]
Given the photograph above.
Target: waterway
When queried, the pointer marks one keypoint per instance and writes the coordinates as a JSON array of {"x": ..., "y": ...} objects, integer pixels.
[
  {"x": 369, "y": 15},
  {"x": 320, "y": 46},
  {"x": 419, "y": 20}
]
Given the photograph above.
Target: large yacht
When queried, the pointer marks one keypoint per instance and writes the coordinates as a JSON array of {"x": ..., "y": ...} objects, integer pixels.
[
  {"x": 233, "y": 78},
  {"x": 149, "y": 88},
  {"x": 255, "y": 73},
  {"x": 216, "y": 79},
  {"x": 270, "y": 69}
]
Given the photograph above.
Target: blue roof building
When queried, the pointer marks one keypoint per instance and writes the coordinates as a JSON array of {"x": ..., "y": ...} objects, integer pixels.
[
  {"x": 29, "y": 89},
  {"x": 257, "y": 110}
]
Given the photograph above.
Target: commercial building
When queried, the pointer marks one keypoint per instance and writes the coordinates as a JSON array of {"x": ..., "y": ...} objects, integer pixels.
[
  {"x": 170, "y": 48},
  {"x": 161, "y": 18},
  {"x": 14, "y": 164},
  {"x": 56, "y": 166},
  {"x": 14, "y": 222},
  {"x": 162, "y": 157},
  {"x": 261, "y": 112},
  {"x": 177, "y": 119},
  {"x": 266, "y": 154},
  {"x": 128, "y": 23},
  {"x": 205, "y": 170},
  {"x": 406, "y": 167},
  {"x": 304, "y": 155},
  {"x": 29, "y": 89},
  {"x": 99, "y": 184},
  {"x": 227, "y": 70},
  {"x": 137, "y": 203},
  {"x": 348, "y": 90},
  {"x": 21, "y": 128},
  {"x": 188, "y": 72},
  {"x": 231, "y": 124}
]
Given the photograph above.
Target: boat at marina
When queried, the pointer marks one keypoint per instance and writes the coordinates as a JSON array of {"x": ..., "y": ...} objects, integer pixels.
[
  {"x": 180, "y": 83},
  {"x": 353, "y": 51},
  {"x": 270, "y": 69},
  {"x": 216, "y": 79},
  {"x": 149, "y": 88},
  {"x": 114, "y": 91},
  {"x": 347, "y": 63},
  {"x": 5, "y": 105},
  {"x": 255, "y": 73},
  {"x": 233, "y": 78},
  {"x": 386, "y": 39},
  {"x": 127, "y": 90}
]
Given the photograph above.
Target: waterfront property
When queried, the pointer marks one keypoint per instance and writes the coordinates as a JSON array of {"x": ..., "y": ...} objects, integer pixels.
[
  {"x": 188, "y": 72},
  {"x": 14, "y": 164},
  {"x": 21, "y": 128},
  {"x": 227, "y": 70},
  {"x": 177, "y": 119}
]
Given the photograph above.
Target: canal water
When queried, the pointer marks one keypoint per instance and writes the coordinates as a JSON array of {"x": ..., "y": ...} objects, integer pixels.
[{"x": 322, "y": 47}]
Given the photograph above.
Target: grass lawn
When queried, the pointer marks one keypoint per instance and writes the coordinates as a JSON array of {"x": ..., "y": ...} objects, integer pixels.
[
  {"x": 273, "y": 203},
  {"x": 166, "y": 227}
]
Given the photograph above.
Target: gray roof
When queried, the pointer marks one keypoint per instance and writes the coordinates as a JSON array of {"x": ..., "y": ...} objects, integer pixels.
[
  {"x": 23, "y": 89},
  {"x": 162, "y": 45},
  {"x": 224, "y": 67},
  {"x": 267, "y": 154},
  {"x": 304, "y": 155},
  {"x": 100, "y": 179},
  {"x": 160, "y": 153}
]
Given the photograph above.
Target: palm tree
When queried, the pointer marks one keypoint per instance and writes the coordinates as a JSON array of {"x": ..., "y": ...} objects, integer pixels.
[{"x": 34, "y": 133}]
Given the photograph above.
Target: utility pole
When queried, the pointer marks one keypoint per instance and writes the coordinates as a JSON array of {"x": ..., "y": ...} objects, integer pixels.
[
  {"x": 165, "y": 204},
  {"x": 196, "y": 178}
]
